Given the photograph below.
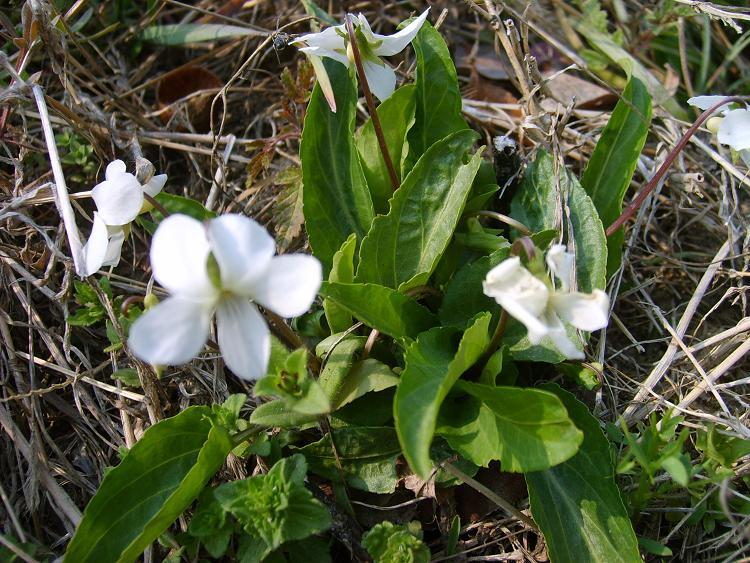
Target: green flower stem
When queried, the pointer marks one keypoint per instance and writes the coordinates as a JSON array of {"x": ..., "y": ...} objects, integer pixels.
[
  {"x": 371, "y": 103},
  {"x": 656, "y": 178}
]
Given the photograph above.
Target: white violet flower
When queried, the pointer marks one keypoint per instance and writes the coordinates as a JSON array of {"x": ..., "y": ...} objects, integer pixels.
[
  {"x": 119, "y": 200},
  {"x": 332, "y": 43},
  {"x": 223, "y": 267},
  {"x": 540, "y": 306},
  {"x": 733, "y": 127}
]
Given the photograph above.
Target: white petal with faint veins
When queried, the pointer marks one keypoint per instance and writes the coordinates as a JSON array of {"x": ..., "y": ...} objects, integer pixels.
[
  {"x": 586, "y": 311},
  {"x": 179, "y": 253},
  {"x": 114, "y": 248},
  {"x": 114, "y": 169},
  {"x": 393, "y": 44},
  {"x": 735, "y": 129},
  {"x": 95, "y": 249},
  {"x": 118, "y": 200},
  {"x": 244, "y": 338},
  {"x": 290, "y": 284},
  {"x": 380, "y": 77},
  {"x": 172, "y": 332},
  {"x": 154, "y": 186},
  {"x": 707, "y": 102},
  {"x": 562, "y": 265},
  {"x": 243, "y": 249}
]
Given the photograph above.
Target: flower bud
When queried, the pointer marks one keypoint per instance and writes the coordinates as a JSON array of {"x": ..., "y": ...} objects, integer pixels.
[
  {"x": 150, "y": 300},
  {"x": 713, "y": 124}
]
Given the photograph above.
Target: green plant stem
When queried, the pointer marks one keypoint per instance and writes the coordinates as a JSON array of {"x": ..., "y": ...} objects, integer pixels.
[
  {"x": 656, "y": 178},
  {"x": 371, "y": 103},
  {"x": 490, "y": 494}
]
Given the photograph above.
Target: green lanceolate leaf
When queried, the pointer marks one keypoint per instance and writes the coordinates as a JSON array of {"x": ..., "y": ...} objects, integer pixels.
[
  {"x": 158, "y": 479},
  {"x": 537, "y": 204},
  {"x": 589, "y": 238},
  {"x": 381, "y": 308},
  {"x": 402, "y": 248},
  {"x": 438, "y": 109},
  {"x": 337, "y": 368},
  {"x": 184, "y": 33},
  {"x": 336, "y": 199},
  {"x": 433, "y": 364},
  {"x": 525, "y": 429},
  {"x": 396, "y": 117},
  {"x": 366, "y": 455},
  {"x": 610, "y": 169},
  {"x": 633, "y": 67},
  {"x": 577, "y": 504},
  {"x": 339, "y": 319}
]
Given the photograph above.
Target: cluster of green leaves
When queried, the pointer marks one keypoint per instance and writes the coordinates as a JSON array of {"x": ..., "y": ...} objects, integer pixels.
[
  {"x": 388, "y": 542},
  {"x": 79, "y": 155},
  {"x": 382, "y": 250},
  {"x": 405, "y": 266},
  {"x": 265, "y": 511},
  {"x": 654, "y": 450}
]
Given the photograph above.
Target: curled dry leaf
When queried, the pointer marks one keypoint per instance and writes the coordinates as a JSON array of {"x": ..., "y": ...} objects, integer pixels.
[{"x": 193, "y": 85}]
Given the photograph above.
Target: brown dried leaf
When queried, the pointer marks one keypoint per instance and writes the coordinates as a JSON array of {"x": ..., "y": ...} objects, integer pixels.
[
  {"x": 183, "y": 83},
  {"x": 289, "y": 218},
  {"x": 588, "y": 95}
]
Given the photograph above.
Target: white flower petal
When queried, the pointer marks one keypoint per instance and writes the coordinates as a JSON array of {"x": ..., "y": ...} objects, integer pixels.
[
  {"x": 583, "y": 310},
  {"x": 565, "y": 345},
  {"x": 242, "y": 248},
  {"x": 172, "y": 332},
  {"x": 154, "y": 186},
  {"x": 392, "y": 44},
  {"x": 114, "y": 248},
  {"x": 338, "y": 56},
  {"x": 290, "y": 284},
  {"x": 244, "y": 338},
  {"x": 511, "y": 281},
  {"x": 327, "y": 41},
  {"x": 535, "y": 327},
  {"x": 561, "y": 263},
  {"x": 95, "y": 250},
  {"x": 114, "y": 169},
  {"x": 707, "y": 102},
  {"x": 179, "y": 251},
  {"x": 735, "y": 129},
  {"x": 380, "y": 77},
  {"x": 325, "y": 83},
  {"x": 520, "y": 293},
  {"x": 118, "y": 200}
]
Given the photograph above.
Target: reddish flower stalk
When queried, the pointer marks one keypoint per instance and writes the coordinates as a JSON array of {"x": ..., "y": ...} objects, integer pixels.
[
  {"x": 371, "y": 103},
  {"x": 631, "y": 209}
]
